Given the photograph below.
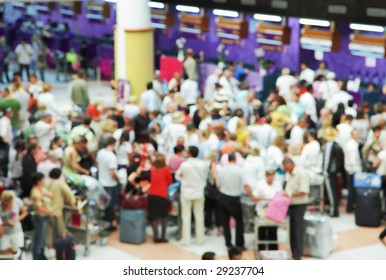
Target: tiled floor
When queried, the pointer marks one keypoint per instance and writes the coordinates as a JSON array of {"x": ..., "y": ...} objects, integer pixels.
[{"x": 352, "y": 242}]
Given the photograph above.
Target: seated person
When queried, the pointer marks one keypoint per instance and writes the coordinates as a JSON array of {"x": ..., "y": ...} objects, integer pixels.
[
  {"x": 12, "y": 212},
  {"x": 263, "y": 192}
]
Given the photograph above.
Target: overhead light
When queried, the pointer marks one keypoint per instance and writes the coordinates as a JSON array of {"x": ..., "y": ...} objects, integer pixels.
[
  {"x": 267, "y": 17},
  {"x": 189, "y": 9},
  {"x": 314, "y": 22},
  {"x": 111, "y": 1},
  {"x": 156, "y": 5},
  {"x": 226, "y": 13},
  {"x": 365, "y": 27}
]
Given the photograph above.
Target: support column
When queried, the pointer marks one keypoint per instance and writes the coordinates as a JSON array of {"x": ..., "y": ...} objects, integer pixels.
[{"x": 134, "y": 44}]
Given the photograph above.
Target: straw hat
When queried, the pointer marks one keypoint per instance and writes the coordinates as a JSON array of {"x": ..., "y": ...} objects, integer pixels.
[
  {"x": 330, "y": 134},
  {"x": 177, "y": 117},
  {"x": 109, "y": 126}
]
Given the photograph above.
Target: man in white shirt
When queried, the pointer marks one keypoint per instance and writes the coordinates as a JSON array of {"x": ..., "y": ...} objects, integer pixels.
[
  {"x": 150, "y": 99},
  {"x": 190, "y": 65},
  {"x": 308, "y": 100},
  {"x": 108, "y": 177},
  {"x": 298, "y": 189},
  {"x": 230, "y": 85},
  {"x": 352, "y": 164},
  {"x": 6, "y": 126},
  {"x": 157, "y": 83},
  {"x": 230, "y": 183},
  {"x": 328, "y": 88},
  {"x": 285, "y": 82},
  {"x": 210, "y": 85},
  {"x": 189, "y": 91},
  {"x": 342, "y": 96},
  {"x": 192, "y": 174},
  {"x": 297, "y": 132},
  {"x": 24, "y": 53},
  {"x": 263, "y": 133},
  {"x": 44, "y": 131},
  {"x": 345, "y": 129},
  {"x": 50, "y": 163},
  {"x": 131, "y": 109},
  {"x": 306, "y": 74}
]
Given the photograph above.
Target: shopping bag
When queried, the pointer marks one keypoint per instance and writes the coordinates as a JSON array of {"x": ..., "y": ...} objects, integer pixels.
[
  {"x": 134, "y": 201},
  {"x": 278, "y": 207}
]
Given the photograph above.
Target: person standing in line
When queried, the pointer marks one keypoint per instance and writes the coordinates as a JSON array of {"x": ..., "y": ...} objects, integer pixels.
[
  {"x": 190, "y": 65},
  {"x": 352, "y": 164},
  {"x": 192, "y": 174},
  {"x": 6, "y": 126},
  {"x": 333, "y": 163},
  {"x": 298, "y": 189},
  {"x": 29, "y": 168},
  {"x": 230, "y": 183},
  {"x": 79, "y": 91},
  {"x": 108, "y": 166},
  {"x": 150, "y": 98},
  {"x": 24, "y": 54},
  {"x": 9, "y": 102}
]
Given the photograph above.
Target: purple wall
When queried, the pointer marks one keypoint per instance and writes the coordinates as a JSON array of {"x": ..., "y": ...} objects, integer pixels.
[
  {"x": 165, "y": 40},
  {"x": 343, "y": 63}
]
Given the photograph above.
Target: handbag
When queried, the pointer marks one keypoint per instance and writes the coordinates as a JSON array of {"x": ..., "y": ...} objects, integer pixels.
[
  {"x": 278, "y": 208},
  {"x": 134, "y": 201},
  {"x": 211, "y": 191}
]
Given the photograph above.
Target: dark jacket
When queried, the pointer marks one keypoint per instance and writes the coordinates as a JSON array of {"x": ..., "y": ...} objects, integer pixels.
[
  {"x": 335, "y": 158},
  {"x": 29, "y": 168}
]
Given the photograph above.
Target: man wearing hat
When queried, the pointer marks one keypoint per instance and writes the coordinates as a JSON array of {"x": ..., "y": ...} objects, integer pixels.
[
  {"x": 333, "y": 163},
  {"x": 6, "y": 126}
]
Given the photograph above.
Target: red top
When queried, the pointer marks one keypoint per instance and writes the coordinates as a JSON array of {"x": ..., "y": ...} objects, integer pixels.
[{"x": 160, "y": 180}]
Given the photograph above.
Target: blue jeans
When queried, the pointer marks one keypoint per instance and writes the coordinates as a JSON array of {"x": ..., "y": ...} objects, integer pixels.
[
  {"x": 110, "y": 210},
  {"x": 40, "y": 224}
]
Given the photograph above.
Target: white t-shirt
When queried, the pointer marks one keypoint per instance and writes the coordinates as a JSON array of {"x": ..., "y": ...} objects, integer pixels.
[
  {"x": 43, "y": 132},
  {"x": 6, "y": 130},
  {"x": 173, "y": 131},
  {"x": 209, "y": 86},
  {"x": 106, "y": 161},
  {"x": 284, "y": 84},
  {"x": 189, "y": 92},
  {"x": 151, "y": 100},
  {"x": 310, "y": 154},
  {"x": 310, "y": 105},
  {"x": 23, "y": 98},
  {"x": 344, "y": 130},
  {"x": 46, "y": 166},
  {"x": 274, "y": 158},
  {"x": 381, "y": 171},
  {"x": 24, "y": 53},
  {"x": 268, "y": 191},
  {"x": 341, "y": 97},
  {"x": 48, "y": 100},
  {"x": 308, "y": 75},
  {"x": 253, "y": 170},
  {"x": 232, "y": 124},
  {"x": 297, "y": 134},
  {"x": 123, "y": 152},
  {"x": 328, "y": 89},
  {"x": 130, "y": 111}
]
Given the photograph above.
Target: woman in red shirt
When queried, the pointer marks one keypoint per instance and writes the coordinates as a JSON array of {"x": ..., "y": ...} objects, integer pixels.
[{"x": 160, "y": 179}]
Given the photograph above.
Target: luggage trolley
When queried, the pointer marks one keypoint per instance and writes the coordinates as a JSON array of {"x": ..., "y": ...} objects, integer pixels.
[
  {"x": 280, "y": 254},
  {"x": 84, "y": 224}
]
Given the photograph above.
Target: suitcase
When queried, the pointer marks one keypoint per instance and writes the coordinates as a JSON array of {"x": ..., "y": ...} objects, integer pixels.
[
  {"x": 132, "y": 226},
  {"x": 65, "y": 248},
  {"x": 368, "y": 208},
  {"x": 368, "y": 211},
  {"x": 318, "y": 235}
]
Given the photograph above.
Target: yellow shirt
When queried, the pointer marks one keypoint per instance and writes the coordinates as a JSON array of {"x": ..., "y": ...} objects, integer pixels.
[
  {"x": 39, "y": 199},
  {"x": 242, "y": 137},
  {"x": 298, "y": 182},
  {"x": 62, "y": 194}
]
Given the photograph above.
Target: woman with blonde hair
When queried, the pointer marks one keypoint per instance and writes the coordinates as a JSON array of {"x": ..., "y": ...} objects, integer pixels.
[
  {"x": 12, "y": 212},
  {"x": 47, "y": 99}
]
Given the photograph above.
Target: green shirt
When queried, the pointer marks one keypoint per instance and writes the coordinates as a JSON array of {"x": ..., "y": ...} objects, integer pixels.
[
  {"x": 14, "y": 105},
  {"x": 79, "y": 92},
  {"x": 72, "y": 57}
]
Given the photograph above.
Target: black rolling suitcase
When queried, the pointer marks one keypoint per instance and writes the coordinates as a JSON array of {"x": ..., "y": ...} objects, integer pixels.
[
  {"x": 368, "y": 212},
  {"x": 65, "y": 248}
]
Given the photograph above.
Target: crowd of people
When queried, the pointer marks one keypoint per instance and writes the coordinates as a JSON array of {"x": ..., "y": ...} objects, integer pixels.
[{"x": 230, "y": 151}]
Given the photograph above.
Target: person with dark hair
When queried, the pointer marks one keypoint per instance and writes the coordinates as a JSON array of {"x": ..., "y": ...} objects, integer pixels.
[
  {"x": 177, "y": 159},
  {"x": 108, "y": 177},
  {"x": 192, "y": 174},
  {"x": 208, "y": 256},
  {"x": 24, "y": 54},
  {"x": 143, "y": 146},
  {"x": 298, "y": 189},
  {"x": 235, "y": 254},
  {"x": 124, "y": 150},
  {"x": 79, "y": 91},
  {"x": 141, "y": 121},
  {"x": 306, "y": 74},
  {"x": 310, "y": 153},
  {"x": 230, "y": 183},
  {"x": 61, "y": 195},
  {"x": 150, "y": 98},
  {"x": 5, "y": 149},
  {"x": 189, "y": 91},
  {"x": 29, "y": 168},
  {"x": 41, "y": 204},
  {"x": 158, "y": 179}
]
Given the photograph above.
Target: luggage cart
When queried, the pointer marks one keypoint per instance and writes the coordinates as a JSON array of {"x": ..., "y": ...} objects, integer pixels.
[
  {"x": 281, "y": 253},
  {"x": 85, "y": 225}
]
